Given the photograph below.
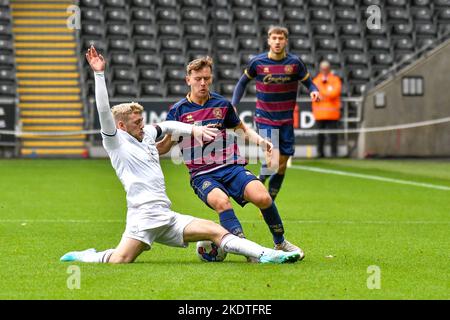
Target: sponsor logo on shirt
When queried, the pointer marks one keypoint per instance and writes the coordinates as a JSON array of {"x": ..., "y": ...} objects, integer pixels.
[{"x": 271, "y": 79}]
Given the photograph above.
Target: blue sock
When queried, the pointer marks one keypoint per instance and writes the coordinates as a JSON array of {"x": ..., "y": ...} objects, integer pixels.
[
  {"x": 275, "y": 183},
  {"x": 273, "y": 220},
  {"x": 229, "y": 221}
]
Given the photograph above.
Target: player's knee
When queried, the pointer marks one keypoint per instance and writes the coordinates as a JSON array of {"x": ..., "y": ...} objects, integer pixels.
[
  {"x": 263, "y": 200},
  {"x": 221, "y": 204}
]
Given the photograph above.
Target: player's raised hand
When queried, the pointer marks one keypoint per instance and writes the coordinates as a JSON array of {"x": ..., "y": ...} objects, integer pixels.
[
  {"x": 315, "y": 96},
  {"x": 95, "y": 60}
]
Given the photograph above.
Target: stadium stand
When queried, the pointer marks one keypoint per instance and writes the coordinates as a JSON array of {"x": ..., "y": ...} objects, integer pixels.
[
  {"x": 163, "y": 35},
  {"x": 7, "y": 64},
  {"x": 50, "y": 97}
]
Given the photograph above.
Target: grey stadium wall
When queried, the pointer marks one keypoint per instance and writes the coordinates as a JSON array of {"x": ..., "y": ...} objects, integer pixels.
[{"x": 425, "y": 141}]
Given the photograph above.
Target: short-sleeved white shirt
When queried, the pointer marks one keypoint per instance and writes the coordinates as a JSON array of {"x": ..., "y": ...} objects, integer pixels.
[{"x": 138, "y": 168}]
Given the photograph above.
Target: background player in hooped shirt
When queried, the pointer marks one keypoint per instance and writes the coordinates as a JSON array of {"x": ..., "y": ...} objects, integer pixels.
[
  {"x": 277, "y": 75},
  {"x": 217, "y": 170},
  {"x": 134, "y": 156}
]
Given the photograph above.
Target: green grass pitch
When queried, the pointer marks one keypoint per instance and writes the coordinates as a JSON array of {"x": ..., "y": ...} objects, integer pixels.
[{"x": 345, "y": 225}]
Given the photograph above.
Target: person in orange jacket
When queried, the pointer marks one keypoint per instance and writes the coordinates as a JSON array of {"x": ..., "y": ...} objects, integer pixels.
[{"x": 327, "y": 111}]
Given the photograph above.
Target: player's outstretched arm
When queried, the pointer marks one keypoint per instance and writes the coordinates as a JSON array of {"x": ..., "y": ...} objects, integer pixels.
[
  {"x": 253, "y": 137},
  {"x": 174, "y": 129},
  {"x": 239, "y": 90},
  {"x": 313, "y": 91},
  {"x": 165, "y": 144},
  {"x": 98, "y": 65}
]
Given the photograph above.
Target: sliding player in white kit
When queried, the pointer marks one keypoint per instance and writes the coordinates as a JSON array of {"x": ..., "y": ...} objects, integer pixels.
[{"x": 131, "y": 147}]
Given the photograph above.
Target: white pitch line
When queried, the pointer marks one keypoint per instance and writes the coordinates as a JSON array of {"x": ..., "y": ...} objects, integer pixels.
[
  {"x": 371, "y": 177},
  {"x": 384, "y": 222}
]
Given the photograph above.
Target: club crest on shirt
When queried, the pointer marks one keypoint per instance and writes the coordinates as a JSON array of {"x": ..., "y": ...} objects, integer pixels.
[
  {"x": 205, "y": 185},
  {"x": 288, "y": 69},
  {"x": 266, "y": 70},
  {"x": 217, "y": 113}
]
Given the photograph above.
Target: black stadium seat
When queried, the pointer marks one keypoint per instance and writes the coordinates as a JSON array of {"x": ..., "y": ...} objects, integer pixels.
[
  {"x": 149, "y": 90},
  {"x": 117, "y": 15},
  {"x": 344, "y": 3},
  {"x": 7, "y": 75},
  {"x": 196, "y": 30},
  {"x": 120, "y": 45},
  {"x": 125, "y": 90},
  {"x": 192, "y": 3},
  {"x": 294, "y": 15},
  {"x": 197, "y": 44},
  {"x": 90, "y": 3},
  {"x": 249, "y": 44},
  {"x": 141, "y": 3},
  {"x": 294, "y": 3},
  {"x": 170, "y": 30},
  {"x": 243, "y": 15},
  {"x": 382, "y": 58},
  {"x": 225, "y": 59},
  {"x": 119, "y": 59},
  {"x": 123, "y": 74},
  {"x": 175, "y": 74},
  {"x": 171, "y": 45},
  {"x": 7, "y": 89},
  {"x": 144, "y": 30},
  {"x": 226, "y": 44},
  {"x": 146, "y": 59},
  {"x": 300, "y": 44},
  {"x": 167, "y": 3},
  {"x": 145, "y": 45},
  {"x": 226, "y": 88},
  {"x": 268, "y": 3},
  {"x": 379, "y": 44},
  {"x": 177, "y": 89},
  {"x": 174, "y": 59},
  {"x": 246, "y": 29},
  {"x": 115, "y": 3},
  {"x": 140, "y": 15},
  {"x": 243, "y": 3},
  {"x": 118, "y": 30},
  {"x": 222, "y": 30},
  {"x": 93, "y": 16},
  {"x": 153, "y": 74}
]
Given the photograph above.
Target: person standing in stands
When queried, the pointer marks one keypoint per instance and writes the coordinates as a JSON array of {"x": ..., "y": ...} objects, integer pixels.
[{"x": 327, "y": 111}]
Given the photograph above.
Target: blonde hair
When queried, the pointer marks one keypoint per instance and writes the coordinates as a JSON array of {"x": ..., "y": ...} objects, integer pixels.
[
  {"x": 121, "y": 112},
  {"x": 278, "y": 30},
  {"x": 199, "y": 64}
]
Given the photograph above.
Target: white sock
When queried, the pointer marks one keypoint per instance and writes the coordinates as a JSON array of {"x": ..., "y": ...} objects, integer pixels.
[
  {"x": 97, "y": 257},
  {"x": 233, "y": 244}
]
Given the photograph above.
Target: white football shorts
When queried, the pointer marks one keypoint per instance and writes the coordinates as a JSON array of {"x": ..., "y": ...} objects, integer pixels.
[{"x": 163, "y": 226}]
